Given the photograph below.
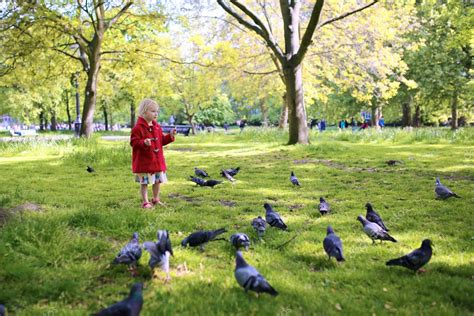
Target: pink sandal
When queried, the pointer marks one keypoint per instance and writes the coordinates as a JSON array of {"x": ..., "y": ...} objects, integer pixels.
[
  {"x": 157, "y": 201},
  {"x": 147, "y": 205}
]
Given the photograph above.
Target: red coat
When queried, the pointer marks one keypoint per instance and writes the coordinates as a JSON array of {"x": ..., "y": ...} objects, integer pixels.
[{"x": 148, "y": 159}]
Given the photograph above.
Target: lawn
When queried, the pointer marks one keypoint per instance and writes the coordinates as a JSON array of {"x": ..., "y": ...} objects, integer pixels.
[{"x": 62, "y": 226}]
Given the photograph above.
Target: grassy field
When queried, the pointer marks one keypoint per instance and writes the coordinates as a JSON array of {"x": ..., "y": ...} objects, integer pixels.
[{"x": 62, "y": 226}]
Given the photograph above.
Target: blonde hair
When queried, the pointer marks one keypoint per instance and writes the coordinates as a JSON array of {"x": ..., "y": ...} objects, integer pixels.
[{"x": 145, "y": 105}]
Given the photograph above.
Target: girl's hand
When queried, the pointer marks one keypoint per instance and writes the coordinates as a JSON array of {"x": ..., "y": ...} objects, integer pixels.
[
  {"x": 173, "y": 132},
  {"x": 147, "y": 142}
]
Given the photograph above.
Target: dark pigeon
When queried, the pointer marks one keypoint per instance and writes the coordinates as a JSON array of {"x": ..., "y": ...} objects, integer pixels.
[
  {"x": 273, "y": 218},
  {"x": 249, "y": 278},
  {"x": 333, "y": 245},
  {"x": 226, "y": 175},
  {"x": 259, "y": 224},
  {"x": 160, "y": 252},
  {"x": 201, "y": 238},
  {"x": 240, "y": 240},
  {"x": 374, "y": 217},
  {"x": 443, "y": 192},
  {"x": 200, "y": 173},
  {"x": 323, "y": 206},
  {"x": 415, "y": 259},
  {"x": 294, "y": 179},
  {"x": 131, "y": 306},
  {"x": 130, "y": 254},
  {"x": 374, "y": 231},
  {"x": 393, "y": 162},
  {"x": 2, "y": 310},
  {"x": 90, "y": 169},
  {"x": 198, "y": 181},
  {"x": 231, "y": 171},
  {"x": 211, "y": 183}
]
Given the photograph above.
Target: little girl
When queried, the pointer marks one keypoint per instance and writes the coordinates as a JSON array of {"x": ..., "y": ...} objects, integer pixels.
[{"x": 148, "y": 162}]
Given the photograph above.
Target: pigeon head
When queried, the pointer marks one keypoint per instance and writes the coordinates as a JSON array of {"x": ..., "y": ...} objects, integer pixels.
[
  {"x": 426, "y": 243},
  {"x": 361, "y": 219},
  {"x": 330, "y": 230},
  {"x": 292, "y": 173},
  {"x": 267, "y": 206},
  {"x": 321, "y": 200},
  {"x": 135, "y": 236},
  {"x": 437, "y": 181},
  {"x": 368, "y": 206},
  {"x": 136, "y": 289},
  {"x": 161, "y": 235},
  {"x": 239, "y": 260}
]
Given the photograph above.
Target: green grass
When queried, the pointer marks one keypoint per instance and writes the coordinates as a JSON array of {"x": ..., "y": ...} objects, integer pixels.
[{"x": 57, "y": 260}]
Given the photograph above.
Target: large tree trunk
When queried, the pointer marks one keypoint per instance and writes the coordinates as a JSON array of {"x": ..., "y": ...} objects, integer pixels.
[
  {"x": 132, "y": 114},
  {"x": 406, "y": 113},
  {"x": 417, "y": 117},
  {"x": 295, "y": 101},
  {"x": 54, "y": 122},
  {"x": 454, "y": 111},
  {"x": 282, "y": 123},
  {"x": 264, "y": 110},
  {"x": 90, "y": 95}
]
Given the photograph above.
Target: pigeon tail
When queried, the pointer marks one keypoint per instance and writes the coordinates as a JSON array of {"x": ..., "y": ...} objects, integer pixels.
[
  {"x": 390, "y": 238},
  {"x": 217, "y": 232},
  {"x": 339, "y": 257},
  {"x": 184, "y": 242}
]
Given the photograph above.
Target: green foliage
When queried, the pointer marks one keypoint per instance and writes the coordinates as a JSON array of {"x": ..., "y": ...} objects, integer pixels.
[
  {"x": 57, "y": 260},
  {"x": 216, "y": 112}
]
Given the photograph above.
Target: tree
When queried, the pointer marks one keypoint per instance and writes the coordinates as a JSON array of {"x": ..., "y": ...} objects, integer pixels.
[{"x": 289, "y": 58}]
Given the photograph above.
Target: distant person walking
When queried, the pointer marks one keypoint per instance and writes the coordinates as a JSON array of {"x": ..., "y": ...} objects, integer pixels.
[
  {"x": 171, "y": 120},
  {"x": 242, "y": 125},
  {"x": 381, "y": 122}
]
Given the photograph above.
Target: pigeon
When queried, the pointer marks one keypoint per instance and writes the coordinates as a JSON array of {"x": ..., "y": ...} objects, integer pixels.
[
  {"x": 324, "y": 207},
  {"x": 132, "y": 305},
  {"x": 130, "y": 254},
  {"x": 90, "y": 169},
  {"x": 294, "y": 179},
  {"x": 211, "y": 183},
  {"x": 226, "y": 175},
  {"x": 239, "y": 240},
  {"x": 231, "y": 171},
  {"x": 198, "y": 181},
  {"x": 393, "y": 162},
  {"x": 160, "y": 252},
  {"x": 374, "y": 231},
  {"x": 443, "y": 192},
  {"x": 333, "y": 245},
  {"x": 200, "y": 238},
  {"x": 415, "y": 259},
  {"x": 374, "y": 217},
  {"x": 259, "y": 224},
  {"x": 2, "y": 310},
  {"x": 273, "y": 218},
  {"x": 249, "y": 278},
  {"x": 200, "y": 173}
]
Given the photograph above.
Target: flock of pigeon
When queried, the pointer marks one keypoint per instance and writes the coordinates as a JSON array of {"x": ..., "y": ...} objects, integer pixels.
[{"x": 246, "y": 275}]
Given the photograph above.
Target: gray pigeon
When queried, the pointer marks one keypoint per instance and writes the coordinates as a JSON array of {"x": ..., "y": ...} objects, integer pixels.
[
  {"x": 211, "y": 183},
  {"x": 200, "y": 238},
  {"x": 374, "y": 231},
  {"x": 131, "y": 306},
  {"x": 200, "y": 173},
  {"x": 231, "y": 171},
  {"x": 239, "y": 240},
  {"x": 333, "y": 245},
  {"x": 226, "y": 175},
  {"x": 198, "y": 181},
  {"x": 259, "y": 224},
  {"x": 374, "y": 217},
  {"x": 90, "y": 169},
  {"x": 249, "y": 278},
  {"x": 273, "y": 218},
  {"x": 130, "y": 254},
  {"x": 415, "y": 259},
  {"x": 323, "y": 206},
  {"x": 443, "y": 192},
  {"x": 160, "y": 252},
  {"x": 294, "y": 179}
]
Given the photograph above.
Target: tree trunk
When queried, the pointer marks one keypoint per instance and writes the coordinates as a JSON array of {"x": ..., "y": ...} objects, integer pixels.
[
  {"x": 264, "y": 110},
  {"x": 406, "y": 113},
  {"x": 42, "y": 121},
  {"x": 106, "y": 118},
  {"x": 53, "y": 122},
  {"x": 283, "y": 114},
  {"x": 90, "y": 97},
  {"x": 190, "y": 121},
  {"x": 417, "y": 117},
  {"x": 68, "y": 110},
  {"x": 295, "y": 101},
  {"x": 132, "y": 115},
  {"x": 454, "y": 111}
]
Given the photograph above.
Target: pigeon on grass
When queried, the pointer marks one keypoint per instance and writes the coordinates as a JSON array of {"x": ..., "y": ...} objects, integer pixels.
[
  {"x": 211, "y": 183},
  {"x": 249, "y": 278},
  {"x": 273, "y": 218},
  {"x": 131, "y": 306},
  {"x": 196, "y": 180},
  {"x": 201, "y": 238},
  {"x": 160, "y": 252},
  {"x": 130, "y": 254},
  {"x": 231, "y": 171},
  {"x": 333, "y": 245},
  {"x": 240, "y": 240},
  {"x": 226, "y": 175},
  {"x": 259, "y": 224},
  {"x": 442, "y": 192},
  {"x": 90, "y": 169},
  {"x": 200, "y": 173},
  {"x": 415, "y": 259},
  {"x": 323, "y": 206},
  {"x": 374, "y": 231},
  {"x": 294, "y": 179},
  {"x": 374, "y": 217}
]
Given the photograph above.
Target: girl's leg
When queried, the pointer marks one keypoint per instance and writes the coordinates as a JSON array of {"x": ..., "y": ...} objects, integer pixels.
[
  {"x": 144, "y": 192},
  {"x": 156, "y": 191}
]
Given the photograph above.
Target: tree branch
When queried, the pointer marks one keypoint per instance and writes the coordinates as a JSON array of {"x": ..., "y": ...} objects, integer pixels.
[
  {"x": 118, "y": 15},
  {"x": 342, "y": 16},
  {"x": 308, "y": 34},
  {"x": 174, "y": 60}
]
